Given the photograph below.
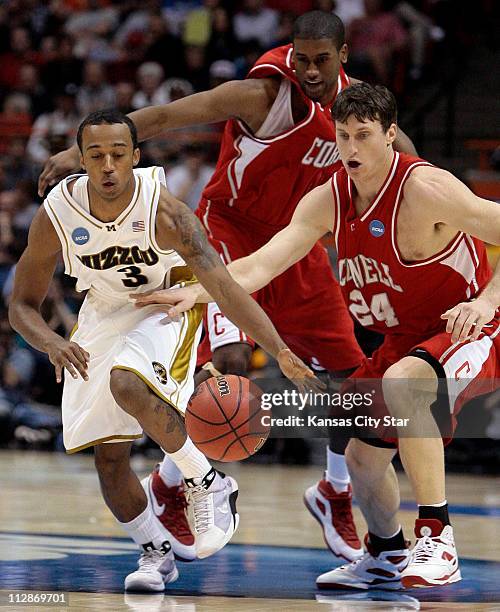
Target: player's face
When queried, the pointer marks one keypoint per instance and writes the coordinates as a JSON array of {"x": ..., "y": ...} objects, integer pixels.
[
  {"x": 317, "y": 65},
  {"x": 108, "y": 157},
  {"x": 364, "y": 147}
]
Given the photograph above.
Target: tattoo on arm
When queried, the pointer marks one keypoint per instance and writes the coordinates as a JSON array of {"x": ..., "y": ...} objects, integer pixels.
[{"x": 195, "y": 243}]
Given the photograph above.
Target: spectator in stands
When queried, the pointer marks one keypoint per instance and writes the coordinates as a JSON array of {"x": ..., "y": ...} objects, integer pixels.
[
  {"x": 17, "y": 166},
  {"x": 124, "y": 93},
  {"x": 95, "y": 92},
  {"x": 222, "y": 43},
  {"x": 29, "y": 84},
  {"x": 198, "y": 24},
  {"x": 374, "y": 40},
  {"x": 196, "y": 69},
  {"x": 55, "y": 131},
  {"x": 220, "y": 72},
  {"x": 21, "y": 52},
  {"x": 187, "y": 179},
  {"x": 149, "y": 77},
  {"x": 284, "y": 33},
  {"x": 256, "y": 21},
  {"x": 347, "y": 10},
  {"x": 15, "y": 119},
  {"x": 250, "y": 53},
  {"x": 422, "y": 30},
  {"x": 174, "y": 89},
  {"x": 161, "y": 45},
  {"x": 60, "y": 66}
]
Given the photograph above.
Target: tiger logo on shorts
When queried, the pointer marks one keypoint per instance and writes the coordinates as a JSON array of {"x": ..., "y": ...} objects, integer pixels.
[{"x": 161, "y": 372}]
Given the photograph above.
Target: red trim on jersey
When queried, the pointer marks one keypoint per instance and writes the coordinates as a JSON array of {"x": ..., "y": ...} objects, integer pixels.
[
  {"x": 337, "y": 211},
  {"x": 447, "y": 250},
  {"x": 231, "y": 175}
]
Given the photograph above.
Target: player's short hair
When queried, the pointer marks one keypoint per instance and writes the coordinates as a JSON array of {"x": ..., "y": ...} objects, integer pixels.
[
  {"x": 364, "y": 101},
  {"x": 108, "y": 116},
  {"x": 318, "y": 24}
]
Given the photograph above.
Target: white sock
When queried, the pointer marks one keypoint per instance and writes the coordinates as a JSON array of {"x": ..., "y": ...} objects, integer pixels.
[
  {"x": 190, "y": 461},
  {"x": 144, "y": 528},
  {"x": 169, "y": 472},
  {"x": 336, "y": 471},
  {"x": 439, "y": 505}
]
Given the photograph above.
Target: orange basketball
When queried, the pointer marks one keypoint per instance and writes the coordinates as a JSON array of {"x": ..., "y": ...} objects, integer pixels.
[{"x": 224, "y": 418}]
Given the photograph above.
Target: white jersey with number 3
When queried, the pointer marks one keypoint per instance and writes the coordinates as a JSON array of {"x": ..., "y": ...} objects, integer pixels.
[{"x": 115, "y": 258}]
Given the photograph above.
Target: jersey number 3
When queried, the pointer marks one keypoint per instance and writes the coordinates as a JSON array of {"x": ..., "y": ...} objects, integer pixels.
[
  {"x": 380, "y": 308},
  {"x": 133, "y": 275}
]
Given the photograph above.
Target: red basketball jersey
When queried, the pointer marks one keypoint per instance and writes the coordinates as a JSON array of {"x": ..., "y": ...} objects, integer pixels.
[
  {"x": 383, "y": 291},
  {"x": 265, "y": 178}
]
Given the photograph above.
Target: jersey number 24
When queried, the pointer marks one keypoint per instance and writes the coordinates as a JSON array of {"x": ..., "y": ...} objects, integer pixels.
[{"x": 380, "y": 309}]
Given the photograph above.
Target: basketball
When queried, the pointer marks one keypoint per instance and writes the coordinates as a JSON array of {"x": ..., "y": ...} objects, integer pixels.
[{"x": 224, "y": 418}]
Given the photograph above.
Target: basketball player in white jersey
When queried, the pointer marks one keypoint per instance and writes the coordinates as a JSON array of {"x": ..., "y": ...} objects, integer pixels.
[
  {"x": 412, "y": 266},
  {"x": 120, "y": 231}
]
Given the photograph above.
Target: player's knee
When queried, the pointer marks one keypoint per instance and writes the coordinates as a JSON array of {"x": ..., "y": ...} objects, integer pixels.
[
  {"x": 123, "y": 385},
  {"x": 232, "y": 359},
  {"x": 409, "y": 383},
  {"x": 357, "y": 460}
]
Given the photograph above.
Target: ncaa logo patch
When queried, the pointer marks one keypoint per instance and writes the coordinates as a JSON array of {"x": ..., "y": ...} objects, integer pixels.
[
  {"x": 377, "y": 228},
  {"x": 80, "y": 235}
]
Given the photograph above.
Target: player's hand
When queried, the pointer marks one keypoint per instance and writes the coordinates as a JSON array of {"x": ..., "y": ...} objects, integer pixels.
[
  {"x": 468, "y": 317},
  {"x": 69, "y": 355},
  {"x": 296, "y": 370},
  {"x": 176, "y": 300},
  {"x": 57, "y": 167}
]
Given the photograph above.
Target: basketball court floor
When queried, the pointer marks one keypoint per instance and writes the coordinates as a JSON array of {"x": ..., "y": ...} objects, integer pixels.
[{"x": 57, "y": 535}]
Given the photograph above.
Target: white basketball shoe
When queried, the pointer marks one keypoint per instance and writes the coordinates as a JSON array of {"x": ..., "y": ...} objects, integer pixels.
[
  {"x": 371, "y": 571},
  {"x": 156, "y": 569},
  {"x": 169, "y": 506},
  {"x": 434, "y": 558},
  {"x": 212, "y": 503},
  {"x": 333, "y": 511}
]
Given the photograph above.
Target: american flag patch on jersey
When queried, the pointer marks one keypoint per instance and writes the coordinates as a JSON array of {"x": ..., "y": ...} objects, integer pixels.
[{"x": 138, "y": 226}]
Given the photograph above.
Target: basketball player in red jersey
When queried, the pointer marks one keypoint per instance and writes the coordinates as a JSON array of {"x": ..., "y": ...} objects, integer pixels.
[
  {"x": 278, "y": 144},
  {"x": 413, "y": 266}
]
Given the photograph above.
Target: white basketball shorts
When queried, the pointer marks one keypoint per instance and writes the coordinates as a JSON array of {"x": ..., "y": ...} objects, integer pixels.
[{"x": 125, "y": 337}]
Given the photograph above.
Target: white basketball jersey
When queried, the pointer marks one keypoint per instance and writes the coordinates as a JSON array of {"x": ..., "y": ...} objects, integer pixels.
[{"x": 116, "y": 258}]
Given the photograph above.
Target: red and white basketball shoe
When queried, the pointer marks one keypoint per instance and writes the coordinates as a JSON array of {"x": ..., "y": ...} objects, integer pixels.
[
  {"x": 169, "y": 506},
  {"x": 333, "y": 511},
  {"x": 371, "y": 571},
  {"x": 433, "y": 559}
]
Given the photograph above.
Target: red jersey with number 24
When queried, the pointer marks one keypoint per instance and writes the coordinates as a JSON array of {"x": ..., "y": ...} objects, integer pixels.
[{"x": 383, "y": 291}]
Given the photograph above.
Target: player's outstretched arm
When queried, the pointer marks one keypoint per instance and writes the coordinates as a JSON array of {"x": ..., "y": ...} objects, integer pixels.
[
  {"x": 34, "y": 273},
  {"x": 447, "y": 200},
  {"x": 247, "y": 100},
  {"x": 177, "y": 227},
  {"x": 312, "y": 219}
]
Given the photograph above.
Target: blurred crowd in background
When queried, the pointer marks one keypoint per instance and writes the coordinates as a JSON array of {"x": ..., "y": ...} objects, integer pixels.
[{"x": 61, "y": 59}]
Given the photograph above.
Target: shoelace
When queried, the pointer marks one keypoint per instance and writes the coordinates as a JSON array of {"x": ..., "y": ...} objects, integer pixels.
[
  {"x": 149, "y": 560},
  {"x": 202, "y": 507},
  {"x": 175, "y": 500},
  {"x": 423, "y": 550}
]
